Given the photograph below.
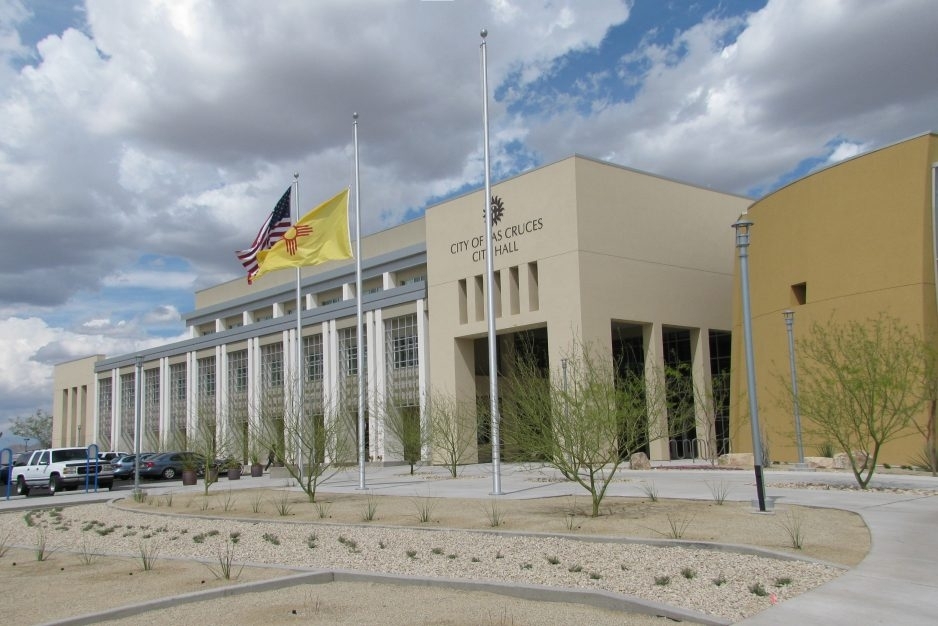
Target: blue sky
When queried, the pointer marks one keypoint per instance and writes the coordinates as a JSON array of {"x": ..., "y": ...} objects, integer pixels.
[{"x": 142, "y": 142}]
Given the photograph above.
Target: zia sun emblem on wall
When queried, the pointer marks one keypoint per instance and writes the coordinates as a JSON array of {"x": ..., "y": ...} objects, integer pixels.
[{"x": 498, "y": 210}]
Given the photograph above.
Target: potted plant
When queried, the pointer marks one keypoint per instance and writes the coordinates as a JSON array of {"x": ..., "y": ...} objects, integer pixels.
[
  {"x": 190, "y": 468},
  {"x": 257, "y": 468},
  {"x": 233, "y": 468}
]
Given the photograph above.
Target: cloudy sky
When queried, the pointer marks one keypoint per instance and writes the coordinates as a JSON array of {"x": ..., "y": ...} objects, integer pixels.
[{"x": 142, "y": 142}]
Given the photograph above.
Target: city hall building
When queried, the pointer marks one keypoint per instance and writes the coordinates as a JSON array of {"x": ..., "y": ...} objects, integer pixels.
[{"x": 585, "y": 252}]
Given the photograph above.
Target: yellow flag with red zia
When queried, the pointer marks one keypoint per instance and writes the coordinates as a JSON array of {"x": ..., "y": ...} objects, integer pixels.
[{"x": 319, "y": 236}]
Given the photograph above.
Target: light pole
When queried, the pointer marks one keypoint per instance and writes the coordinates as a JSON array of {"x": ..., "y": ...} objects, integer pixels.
[
  {"x": 27, "y": 443},
  {"x": 742, "y": 226},
  {"x": 138, "y": 375},
  {"x": 789, "y": 316}
]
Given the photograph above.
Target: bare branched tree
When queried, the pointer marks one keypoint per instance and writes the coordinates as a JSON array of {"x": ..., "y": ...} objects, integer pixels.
[
  {"x": 928, "y": 427},
  {"x": 860, "y": 385},
  {"x": 311, "y": 447},
  {"x": 404, "y": 434},
  {"x": 587, "y": 430},
  {"x": 451, "y": 429}
]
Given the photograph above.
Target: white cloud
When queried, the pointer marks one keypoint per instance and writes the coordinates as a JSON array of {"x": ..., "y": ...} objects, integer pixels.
[
  {"x": 150, "y": 279},
  {"x": 170, "y": 129},
  {"x": 739, "y": 115},
  {"x": 845, "y": 150}
]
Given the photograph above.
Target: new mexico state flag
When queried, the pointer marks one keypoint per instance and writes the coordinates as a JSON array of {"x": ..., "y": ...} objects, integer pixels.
[{"x": 319, "y": 236}]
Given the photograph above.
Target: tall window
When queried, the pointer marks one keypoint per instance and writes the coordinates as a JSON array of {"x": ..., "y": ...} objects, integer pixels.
[
  {"x": 312, "y": 348},
  {"x": 151, "y": 393},
  {"x": 206, "y": 381},
  {"x": 207, "y": 377},
  {"x": 128, "y": 399},
  {"x": 402, "y": 360},
  {"x": 272, "y": 364},
  {"x": 238, "y": 398},
  {"x": 402, "y": 341},
  {"x": 238, "y": 371},
  {"x": 348, "y": 376},
  {"x": 177, "y": 397},
  {"x": 720, "y": 348},
  {"x": 105, "y": 403},
  {"x": 348, "y": 351}
]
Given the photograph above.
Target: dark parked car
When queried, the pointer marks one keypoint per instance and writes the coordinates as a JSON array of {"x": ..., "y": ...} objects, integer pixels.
[
  {"x": 123, "y": 467},
  {"x": 110, "y": 457},
  {"x": 18, "y": 460},
  {"x": 169, "y": 465}
]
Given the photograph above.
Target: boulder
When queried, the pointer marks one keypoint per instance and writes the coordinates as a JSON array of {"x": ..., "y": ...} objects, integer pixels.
[
  {"x": 842, "y": 461},
  {"x": 639, "y": 461},
  {"x": 736, "y": 459},
  {"x": 819, "y": 462}
]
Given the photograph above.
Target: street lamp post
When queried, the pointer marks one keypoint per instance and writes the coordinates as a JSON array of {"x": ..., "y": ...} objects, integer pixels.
[
  {"x": 742, "y": 226},
  {"x": 138, "y": 364},
  {"x": 789, "y": 316}
]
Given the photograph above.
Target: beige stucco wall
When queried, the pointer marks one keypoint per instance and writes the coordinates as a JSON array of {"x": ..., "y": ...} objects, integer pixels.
[
  {"x": 652, "y": 249},
  {"x": 859, "y": 235},
  {"x": 611, "y": 244},
  {"x": 73, "y": 402}
]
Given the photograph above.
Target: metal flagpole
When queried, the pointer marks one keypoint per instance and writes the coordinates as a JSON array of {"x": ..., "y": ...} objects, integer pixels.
[
  {"x": 360, "y": 339},
  {"x": 298, "y": 439},
  {"x": 490, "y": 283}
]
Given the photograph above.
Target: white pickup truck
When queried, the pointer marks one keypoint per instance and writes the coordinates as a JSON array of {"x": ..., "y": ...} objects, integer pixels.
[{"x": 61, "y": 468}]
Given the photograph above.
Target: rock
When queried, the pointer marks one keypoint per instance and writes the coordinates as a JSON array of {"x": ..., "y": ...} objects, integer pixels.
[
  {"x": 639, "y": 461},
  {"x": 736, "y": 459},
  {"x": 842, "y": 461},
  {"x": 819, "y": 462}
]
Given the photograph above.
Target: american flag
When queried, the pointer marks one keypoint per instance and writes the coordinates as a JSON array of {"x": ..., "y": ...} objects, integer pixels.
[{"x": 273, "y": 229}]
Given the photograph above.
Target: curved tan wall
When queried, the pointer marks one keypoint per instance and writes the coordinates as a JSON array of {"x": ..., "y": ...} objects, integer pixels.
[{"x": 859, "y": 235}]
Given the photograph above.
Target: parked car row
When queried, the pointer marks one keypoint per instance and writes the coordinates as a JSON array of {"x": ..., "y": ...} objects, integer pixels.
[{"x": 170, "y": 465}]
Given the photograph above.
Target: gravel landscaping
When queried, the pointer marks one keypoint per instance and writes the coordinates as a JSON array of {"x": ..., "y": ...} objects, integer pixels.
[{"x": 724, "y": 584}]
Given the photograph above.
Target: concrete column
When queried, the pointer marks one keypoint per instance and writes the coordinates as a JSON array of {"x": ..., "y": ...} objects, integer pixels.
[
  {"x": 221, "y": 394},
  {"x": 653, "y": 343},
  {"x": 116, "y": 426},
  {"x": 254, "y": 384},
  {"x": 704, "y": 410},
  {"x": 377, "y": 395},
  {"x": 423, "y": 367},
  {"x": 165, "y": 416},
  {"x": 192, "y": 392}
]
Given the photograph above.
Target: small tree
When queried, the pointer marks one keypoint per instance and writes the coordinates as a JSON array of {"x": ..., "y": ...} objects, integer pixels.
[
  {"x": 860, "y": 385},
  {"x": 37, "y": 426},
  {"x": 312, "y": 447},
  {"x": 585, "y": 431},
  {"x": 203, "y": 442},
  {"x": 451, "y": 430},
  {"x": 928, "y": 427},
  {"x": 405, "y": 436}
]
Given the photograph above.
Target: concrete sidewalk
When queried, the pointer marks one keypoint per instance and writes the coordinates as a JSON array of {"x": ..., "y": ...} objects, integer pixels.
[{"x": 897, "y": 583}]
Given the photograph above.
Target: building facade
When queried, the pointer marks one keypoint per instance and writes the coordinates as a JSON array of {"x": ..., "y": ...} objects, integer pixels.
[
  {"x": 846, "y": 243},
  {"x": 585, "y": 252}
]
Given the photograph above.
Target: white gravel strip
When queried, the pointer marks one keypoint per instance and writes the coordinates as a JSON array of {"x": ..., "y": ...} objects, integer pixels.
[{"x": 625, "y": 568}]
